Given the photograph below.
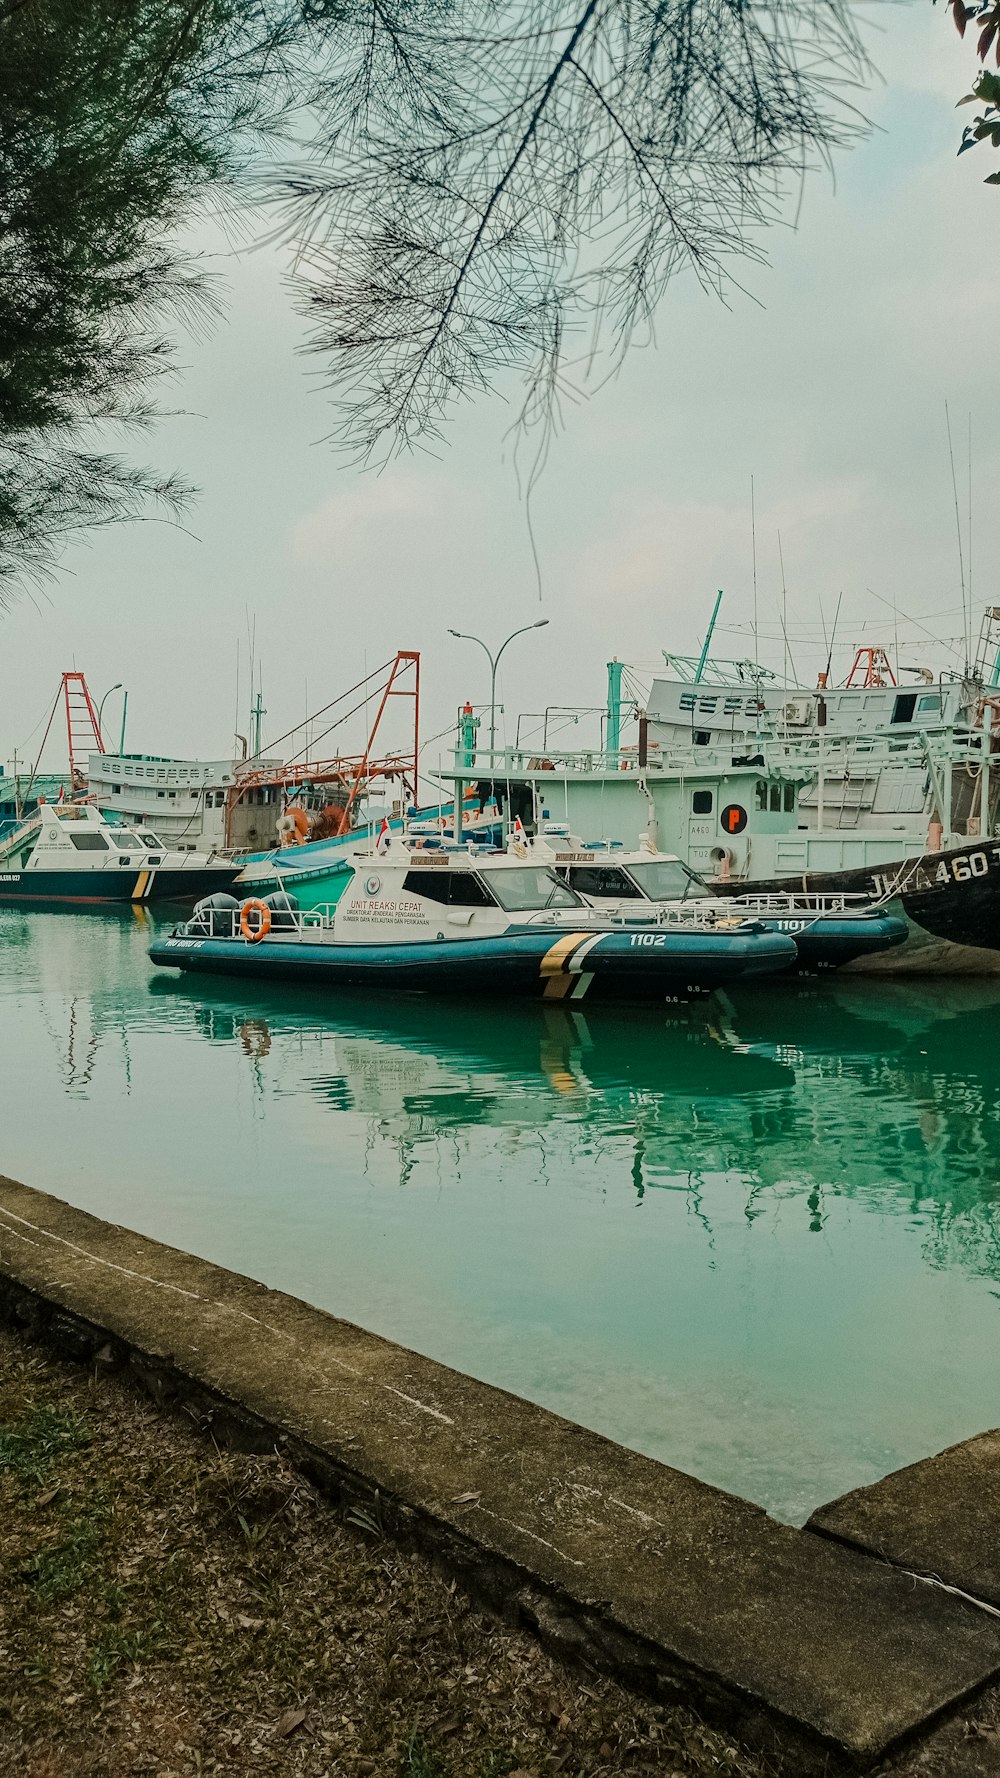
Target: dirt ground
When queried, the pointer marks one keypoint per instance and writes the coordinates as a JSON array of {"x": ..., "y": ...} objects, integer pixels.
[{"x": 171, "y": 1610}]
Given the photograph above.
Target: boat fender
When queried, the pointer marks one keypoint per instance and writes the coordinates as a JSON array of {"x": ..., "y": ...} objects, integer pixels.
[
  {"x": 935, "y": 834},
  {"x": 252, "y": 930}
]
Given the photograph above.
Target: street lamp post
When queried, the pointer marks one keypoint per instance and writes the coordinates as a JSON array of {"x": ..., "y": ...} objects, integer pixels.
[
  {"x": 100, "y": 707},
  {"x": 494, "y": 660}
]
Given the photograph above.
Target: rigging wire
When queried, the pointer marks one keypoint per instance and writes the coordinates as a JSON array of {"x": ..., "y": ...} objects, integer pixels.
[
  {"x": 919, "y": 626},
  {"x": 966, "y": 619},
  {"x": 753, "y": 553},
  {"x": 384, "y": 668}
]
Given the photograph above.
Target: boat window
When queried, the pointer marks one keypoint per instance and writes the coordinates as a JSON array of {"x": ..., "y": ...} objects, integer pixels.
[
  {"x": 602, "y": 879},
  {"x": 150, "y": 839},
  {"x": 453, "y": 888},
  {"x": 530, "y": 887},
  {"x": 126, "y": 842},
  {"x": 89, "y": 842},
  {"x": 775, "y": 797},
  {"x": 789, "y": 797},
  {"x": 701, "y": 802},
  {"x": 667, "y": 879},
  {"x": 929, "y": 704},
  {"x": 903, "y": 708},
  {"x": 761, "y": 794}
]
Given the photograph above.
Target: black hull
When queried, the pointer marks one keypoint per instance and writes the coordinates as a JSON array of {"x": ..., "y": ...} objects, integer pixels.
[
  {"x": 950, "y": 901},
  {"x": 84, "y": 888}
]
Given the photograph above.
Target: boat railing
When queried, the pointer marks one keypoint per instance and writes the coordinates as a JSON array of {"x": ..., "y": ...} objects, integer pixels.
[
  {"x": 688, "y": 914},
  {"x": 791, "y": 904},
  {"x": 243, "y": 924},
  {"x": 792, "y": 755},
  {"x": 249, "y": 926}
]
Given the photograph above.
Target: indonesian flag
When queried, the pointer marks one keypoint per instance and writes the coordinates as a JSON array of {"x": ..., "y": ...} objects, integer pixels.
[
  {"x": 384, "y": 836},
  {"x": 518, "y": 831}
]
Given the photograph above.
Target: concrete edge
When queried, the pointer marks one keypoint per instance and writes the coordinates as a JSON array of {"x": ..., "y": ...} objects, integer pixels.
[{"x": 937, "y": 1518}]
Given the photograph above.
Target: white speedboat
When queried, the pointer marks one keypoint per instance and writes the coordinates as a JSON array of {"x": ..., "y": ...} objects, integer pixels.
[
  {"x": 830, "y": 930},
  {"x": 70, "y": 852}
]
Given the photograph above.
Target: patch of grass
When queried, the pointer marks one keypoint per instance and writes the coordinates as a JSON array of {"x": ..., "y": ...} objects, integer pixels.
[
  {"x": 60, "y": 1570},
  {"x": 166, "y": 1607},
  {"x": 419, "y": 1761},
  {"x": 117, "y": 1648},
  {"x": 499, "y": 1761},
  {"x": 31, "y": 1446}
]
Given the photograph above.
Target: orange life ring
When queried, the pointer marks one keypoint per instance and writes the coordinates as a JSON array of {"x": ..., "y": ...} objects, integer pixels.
[{"x": 263, "y": 926}]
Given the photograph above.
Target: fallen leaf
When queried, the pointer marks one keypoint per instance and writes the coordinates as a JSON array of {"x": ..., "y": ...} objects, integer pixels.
[
  {"x": 249, "y": 1623},
  {"x": 47, "y": 1498},
  {"x": 292, "y": 1720},
  {"x": 605, "y": 1750},
  {"x": 465, "y": 1499}
]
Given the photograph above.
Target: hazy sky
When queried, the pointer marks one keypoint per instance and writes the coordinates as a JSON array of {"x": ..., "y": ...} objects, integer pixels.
[{"x": 829, "y": 389}]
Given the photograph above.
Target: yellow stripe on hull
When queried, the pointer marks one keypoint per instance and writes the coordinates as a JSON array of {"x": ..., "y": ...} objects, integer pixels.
[
  {"x": 554, "y": 968},
  {"x": 141, "y": 885}
]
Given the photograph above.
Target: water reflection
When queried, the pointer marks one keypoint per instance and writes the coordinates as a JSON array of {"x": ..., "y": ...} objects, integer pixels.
[
  {"x": 804, "y": 1095},
  {"x": 759, "y": 1238}
]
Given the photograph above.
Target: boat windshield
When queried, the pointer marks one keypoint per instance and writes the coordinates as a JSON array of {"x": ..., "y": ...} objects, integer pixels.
[
  {"x": 529, "y": 887},
  {"x": 667, "y": 879}
]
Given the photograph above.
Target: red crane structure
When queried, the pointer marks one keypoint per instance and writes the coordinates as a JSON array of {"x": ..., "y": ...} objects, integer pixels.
[
  {"x": 349, "y": 776},
  {"x": 83, "y": 729},
  {"x": 877, "y": 670}
]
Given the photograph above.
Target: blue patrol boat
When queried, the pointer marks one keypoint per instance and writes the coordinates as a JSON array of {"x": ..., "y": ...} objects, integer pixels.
[
  {"x": 459, "y": 920},
  {"x": 829, "y": 930}
]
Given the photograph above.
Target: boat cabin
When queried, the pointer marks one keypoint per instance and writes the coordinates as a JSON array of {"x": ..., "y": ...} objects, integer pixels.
[
  {"x": 439, "y": 894},
  {"x": 76, "y": 836}
]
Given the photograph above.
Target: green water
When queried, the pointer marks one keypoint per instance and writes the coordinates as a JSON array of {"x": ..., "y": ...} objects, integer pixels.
[{"x": 760, "y": 1241}]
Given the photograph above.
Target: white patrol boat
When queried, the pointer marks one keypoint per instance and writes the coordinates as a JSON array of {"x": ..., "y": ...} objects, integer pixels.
[
  {"x": 830, "y": 931},
  {"x": 70, "y": 852},
  {"x": 472, "y": 921}
]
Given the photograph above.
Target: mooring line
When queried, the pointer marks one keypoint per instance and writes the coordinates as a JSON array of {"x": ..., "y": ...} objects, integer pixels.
[{"x": 934, "y": 1580}]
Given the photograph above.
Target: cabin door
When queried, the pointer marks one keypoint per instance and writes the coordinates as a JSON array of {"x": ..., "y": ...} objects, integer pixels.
[{"x": 702, "y": 828}]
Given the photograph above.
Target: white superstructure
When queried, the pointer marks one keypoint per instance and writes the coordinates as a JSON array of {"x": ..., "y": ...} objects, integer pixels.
[{"x": 186, "y": 798}]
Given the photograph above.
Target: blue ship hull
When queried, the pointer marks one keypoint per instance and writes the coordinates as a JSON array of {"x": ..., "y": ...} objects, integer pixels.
[
  {"x": 80, "y": 887},
  {"x": 833, "y": 940},
  {"x": 544, "y": 963}
]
